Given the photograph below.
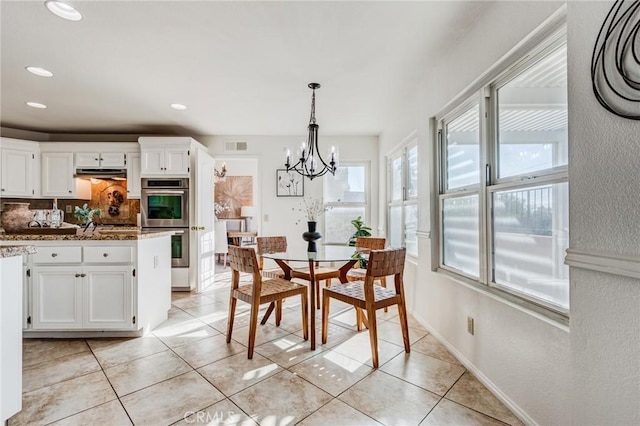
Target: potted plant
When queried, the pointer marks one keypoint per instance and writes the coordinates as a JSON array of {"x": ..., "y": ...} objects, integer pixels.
[
  {"x": 362, "y": 230},
  {"x": 86, "y": 214}
]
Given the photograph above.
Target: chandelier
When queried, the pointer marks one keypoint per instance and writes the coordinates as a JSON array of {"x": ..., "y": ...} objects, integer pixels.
[{"x": 310, "y": 162}]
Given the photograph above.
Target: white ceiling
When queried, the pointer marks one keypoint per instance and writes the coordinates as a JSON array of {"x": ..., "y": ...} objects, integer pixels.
[{"x": 242, "y": 68}]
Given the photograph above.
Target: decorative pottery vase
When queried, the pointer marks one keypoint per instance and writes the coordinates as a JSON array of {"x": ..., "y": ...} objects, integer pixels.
[
  {"x": 311, "y": 236},
  {"x": 16, "y": 216}
]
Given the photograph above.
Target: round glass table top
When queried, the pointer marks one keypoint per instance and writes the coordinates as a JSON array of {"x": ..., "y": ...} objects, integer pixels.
[{"x": 299, "y": 253}]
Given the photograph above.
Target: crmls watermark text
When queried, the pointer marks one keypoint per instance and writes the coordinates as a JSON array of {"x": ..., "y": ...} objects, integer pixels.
[{"x": 206, "y": 417}]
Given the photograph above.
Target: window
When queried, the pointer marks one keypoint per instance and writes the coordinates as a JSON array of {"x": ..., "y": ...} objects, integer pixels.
[
  {"x": 403, "y": 199},
  {"x": 503, "y": 182},
  {"x": 346, "y": 195}
]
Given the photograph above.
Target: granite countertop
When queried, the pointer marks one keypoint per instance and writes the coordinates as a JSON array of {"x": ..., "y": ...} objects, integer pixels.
[
  {"x": 11, "y": 251},
  {"x": 99, "y": 235}
]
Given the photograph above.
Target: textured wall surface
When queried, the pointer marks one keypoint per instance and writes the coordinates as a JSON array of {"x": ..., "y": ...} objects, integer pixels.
[{"x": 604, "y": 173}]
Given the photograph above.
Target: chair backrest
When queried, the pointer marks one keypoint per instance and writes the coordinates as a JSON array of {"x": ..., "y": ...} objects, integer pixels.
[
  {"x": 372, "y": 243},
  {"x": 271, "y": 244},
  {"x": 386, "y": 262},
  {"x": 220, "y": 241},
  {"x": 243, "y": 259}
]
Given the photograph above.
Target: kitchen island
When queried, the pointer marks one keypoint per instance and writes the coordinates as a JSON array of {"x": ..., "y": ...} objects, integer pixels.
[{"x": 107, "y": 283}]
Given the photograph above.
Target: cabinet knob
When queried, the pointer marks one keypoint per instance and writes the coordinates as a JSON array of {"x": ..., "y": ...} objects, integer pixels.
[
  {"x": 54, "y": 254},
  {"x": 83, "y": 275},
  {"x": 96, "y": 159},
  {"x": 70, "y": 191},
  {"x": 3, "y": 189},
  {"x": 78, "y": 275},
  {"x": 105, "y": 254}
]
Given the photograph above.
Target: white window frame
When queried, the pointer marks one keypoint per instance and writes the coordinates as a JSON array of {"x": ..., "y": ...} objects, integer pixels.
[
  {"x": 484, "y": 94},
  {"x": 367, "y": 196},
  {"x": 405, "y": 200}
]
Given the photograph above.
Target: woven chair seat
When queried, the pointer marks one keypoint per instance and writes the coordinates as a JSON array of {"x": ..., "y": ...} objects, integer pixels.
[
  {"x": 275, "y": 286},
  {"x": 273, "y": 273},
  {"x": 356, "y": 291},
  {"x": 356, "y": 274}
]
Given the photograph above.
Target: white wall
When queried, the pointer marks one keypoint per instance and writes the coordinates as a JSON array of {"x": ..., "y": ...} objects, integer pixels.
[
  {"x": 523, "y": 357},
  {"x": 604, "y": 176},
  {"x": 277, "y": 213}
]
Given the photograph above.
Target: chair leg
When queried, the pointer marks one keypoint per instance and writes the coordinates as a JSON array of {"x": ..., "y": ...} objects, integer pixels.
[
  {"x": 232, "y": 313},
  {"x": 383, "y": 283},
  {"x": 325, "y": 316},
  {"x": 278, "y": 312},
  {"x": 373, "y": 335},
  {"x": 305, "y": 315},
  {"x": 404, "y": 325},
  {"x": 253, "y": 325},
  {"x": 224, "y": 263}
]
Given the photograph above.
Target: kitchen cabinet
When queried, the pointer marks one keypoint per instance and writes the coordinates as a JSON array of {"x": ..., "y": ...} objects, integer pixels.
[
  {"x": 58, "y": 180},
  {"x": 133, "y": 175},
  {"x": 100, "y": 160},
  {"x": 168, "y": 160},
  {"x": 96, "y": 293},
  {"x": 20, "y": 164}
]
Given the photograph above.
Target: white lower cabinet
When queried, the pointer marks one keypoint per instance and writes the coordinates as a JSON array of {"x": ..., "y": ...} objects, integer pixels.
[
  {"x": 107, "y": 297},
  {"x": 57, "y": 298},
  {"x": 82, "y": 295}
]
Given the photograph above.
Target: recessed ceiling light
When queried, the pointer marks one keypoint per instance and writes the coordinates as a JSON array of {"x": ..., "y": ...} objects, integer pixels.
[
  {"x": 40, "y": 71},
  {"x": 63, "y": 10},
  {"x": 178, "y": 106},
  {"x": 36, "y": 105}
]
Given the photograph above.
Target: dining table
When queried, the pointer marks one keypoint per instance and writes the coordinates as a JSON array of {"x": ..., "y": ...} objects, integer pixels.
[{"x": 340, "y": 257}]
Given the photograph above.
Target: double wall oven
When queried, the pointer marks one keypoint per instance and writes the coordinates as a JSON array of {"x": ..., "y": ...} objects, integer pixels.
[{"x": 164, "y": 206}]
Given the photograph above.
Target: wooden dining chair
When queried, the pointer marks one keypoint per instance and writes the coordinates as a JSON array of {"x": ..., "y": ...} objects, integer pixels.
[
  {"x": 371, "y": 297},
  {"x": 279, "y": 244},
  {"x": 244, "y": 259},
  {"x": 270, "y": 245},
  {"x": 370, "y": 243}
]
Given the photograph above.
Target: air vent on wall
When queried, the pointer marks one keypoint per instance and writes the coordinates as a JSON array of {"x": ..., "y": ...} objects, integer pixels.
[{"x": 235, "y": 146}]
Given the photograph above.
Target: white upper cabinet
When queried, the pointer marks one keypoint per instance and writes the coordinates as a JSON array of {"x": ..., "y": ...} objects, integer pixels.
[
  {"x": 133, "y": 175},
  {"x": 100, "y": 159},
  {"x": 57, "y": 177},
  {"x": 19, "y": 168},
  {"x": 165, "y": 156}
]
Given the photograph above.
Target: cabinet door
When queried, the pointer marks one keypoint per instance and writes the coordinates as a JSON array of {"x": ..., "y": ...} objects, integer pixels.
[
  {"x": 57, "y": 298},
  {"x": 57, "y": 174},
  {"x": 87, "y": 159},
  {"x": 152, "y": 162},
  {"x": 112, "y": 160},
  {"x": 133, "y": 175},
  {"x": 176, "y": 161},
  {"x": 17, "y": 173},
  {"x": 108, "y": 296}
]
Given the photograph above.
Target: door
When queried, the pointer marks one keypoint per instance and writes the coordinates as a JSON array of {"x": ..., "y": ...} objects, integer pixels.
[
  {"x": 57, "y": 174},
  {"x": 17, "y": 173},
  {"x": 176, "y": 161},
  {"x": 152, "y": 162},
  {"x": 203, "y": 204},
  {"x": 108, "y": 297},
  {"x": 133, "y": 175},
  {"x": 57, "y": 298}
]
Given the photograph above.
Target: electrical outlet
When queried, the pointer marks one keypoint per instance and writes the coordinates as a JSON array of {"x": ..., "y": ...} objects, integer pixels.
[
  {"x": 67, "y": 208},
  {"x": 470, "y": 327}
]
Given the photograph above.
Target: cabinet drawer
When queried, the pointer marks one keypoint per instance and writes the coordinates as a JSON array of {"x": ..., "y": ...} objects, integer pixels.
[
  {"x": 58, "y": 254},
  {"x": 108, "y": 254}
]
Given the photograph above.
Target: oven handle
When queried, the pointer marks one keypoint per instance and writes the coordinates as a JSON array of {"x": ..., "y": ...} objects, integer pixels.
[{"x": 164, "y": 192}]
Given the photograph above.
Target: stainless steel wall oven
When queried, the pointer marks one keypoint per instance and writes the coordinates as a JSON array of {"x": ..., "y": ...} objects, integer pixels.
[{"x": 164, "y": 206}]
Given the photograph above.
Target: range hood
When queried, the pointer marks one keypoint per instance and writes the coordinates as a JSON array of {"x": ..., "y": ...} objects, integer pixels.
[{"x": 100, "y": 173}]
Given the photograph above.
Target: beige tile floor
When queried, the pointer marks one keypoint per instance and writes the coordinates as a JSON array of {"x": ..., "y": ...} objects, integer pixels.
[{"x": 185, "y": 373}]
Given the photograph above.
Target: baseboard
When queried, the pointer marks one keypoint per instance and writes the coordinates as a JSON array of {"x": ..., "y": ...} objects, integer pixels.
[{"x": 502, "y": 397}]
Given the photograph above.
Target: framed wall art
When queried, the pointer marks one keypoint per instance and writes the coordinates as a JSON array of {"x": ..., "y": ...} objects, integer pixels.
[{"x": 289, "y": 184}]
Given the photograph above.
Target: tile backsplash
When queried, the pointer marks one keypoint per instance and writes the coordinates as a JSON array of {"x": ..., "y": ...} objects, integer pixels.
[{"x": 107, "y": 194}]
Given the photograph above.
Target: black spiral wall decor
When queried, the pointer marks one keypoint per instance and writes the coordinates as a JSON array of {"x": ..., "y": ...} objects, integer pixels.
[{"x": 615, "y": 63}]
